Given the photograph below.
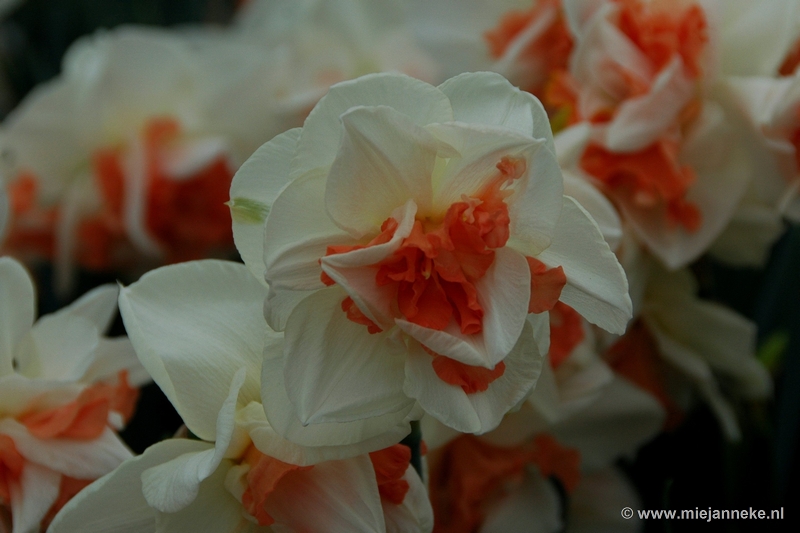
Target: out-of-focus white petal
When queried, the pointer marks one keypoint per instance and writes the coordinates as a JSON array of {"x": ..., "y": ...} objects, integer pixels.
[
  {"x": 504, "y": 293},
  {"x": 99, "y": 306},
  {"x": 75, "y": 458},
  {"x": 171, "y": 486},
  {"x": 17, "y": 310},
  {"x": 335, "y": 370},
  {"x": 384, "y": 156},
  {"x": 756, "y": 37},
  {"x": 489, "y": 99},
  {"x": 597, "y": 205},
  {"x": 115, "y": 503},
  {"x": 596, "y": 284},
  {"x": 532, "y": 507},
  {"x": 478, "y": 412},
  {"x": 113, "y": 356},
  {"x": 716, "y": 334},
  {"x": 749, "y": 236},
  {"x": 59, "y": 347},
  {"x": 253, "y": 191},
  {"x": 194, "y": 325},
  {"x": 622, "y": 419},
  {"x": 415, "y": 514},
  {"x": 717, "y": 149},
  {"x": 641, "y": 121},
  {"x": 332, "y": 496},
  {"x": 32, "y": 497},
  {"x": 594, "y": 506},
  {"x": 322, "y": 131}
]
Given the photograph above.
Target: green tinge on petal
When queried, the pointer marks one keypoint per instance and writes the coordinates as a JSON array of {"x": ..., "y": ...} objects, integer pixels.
[{"x": 247, "y": 211}]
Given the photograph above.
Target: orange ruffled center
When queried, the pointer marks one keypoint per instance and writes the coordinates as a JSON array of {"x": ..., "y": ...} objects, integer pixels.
[
  {"x": 266, "y": 473},
  {"x": 650, "y": 179},
  {"x": 186, "y": 217},
  {"x": 435, "y": 270},
  {"x": 471, "y": 474}
]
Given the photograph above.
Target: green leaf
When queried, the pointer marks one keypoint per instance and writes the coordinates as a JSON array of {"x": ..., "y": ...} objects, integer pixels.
[{"x": 773, "y": 348}]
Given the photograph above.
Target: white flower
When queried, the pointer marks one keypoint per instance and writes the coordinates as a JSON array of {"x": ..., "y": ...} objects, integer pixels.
[
  {"x": 312, "y": 44},
  {"x": 665, "y": 142},
  {"x": 124, "y": 160},
  {"x": 703, "y": 344},
  {"x": 198, "y": 330},
  {"x": 411, "y": 230},
  {"x": 64, "y": 389}
]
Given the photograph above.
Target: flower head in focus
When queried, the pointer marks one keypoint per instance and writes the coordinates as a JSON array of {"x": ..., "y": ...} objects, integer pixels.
[
  {"x": 197, "y": 329},
  {"x": 64, "y": 391},
  {"x": 411, "y": 231}
]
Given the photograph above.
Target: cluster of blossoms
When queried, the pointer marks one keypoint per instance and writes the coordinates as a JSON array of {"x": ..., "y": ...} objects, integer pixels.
[{"x": 499, "y": 259}]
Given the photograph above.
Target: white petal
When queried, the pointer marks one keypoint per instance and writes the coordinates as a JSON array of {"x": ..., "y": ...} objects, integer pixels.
[
  {"x": 570, "y": 144},
  {"x": 355, "y": 271},
  {"x": 113, "y": 356},
  {"x": 622, "y": 419},
  {"x": 595, "y": 505},
  {"x": 59, "y": 347},
  {"x": 320, "y": 139},
  {"x": 75, "y": 458},
  {"x": 171, "y": 486},
  {"x": 597, "y": 205},
  {"x": 385, "y": 158},
  {"x": 17, "y": 310},
  {"x": 476, "y": 151},
  {"x": 533, "y": 507},
  {"x": 253, "y": 191},
  {"x": 33, "y": 497},
  {"x": 748, "y": 239},
  {"x": 756, "y": 38},
  {"x": 641, "y": 121},
  {"x": 481, "y": 411},
  {"x": 596, "y": 284},
  {"x": 214, "y": 509},
  {"x": 504, "y": 293},
  {"x": 319, "y": 442},
  {"x": 115, "y": 503},
  {"x": 193, "y": 326},
  {"x": 298, "y": 232},
  {"x": 99, "y": 306},
  {"x": 415, "y": 514},
  {"x": 335, "y": 496},
  {"x": 335, "y": 370},
  {"x": 718, "y": 150},
  {"x": 488, "y": 98}
]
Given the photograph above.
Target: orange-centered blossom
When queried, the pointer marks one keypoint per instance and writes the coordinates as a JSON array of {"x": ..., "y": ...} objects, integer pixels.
[
  {"x": 186, "y": 217},
  {"x": 435, "y": 270}
]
